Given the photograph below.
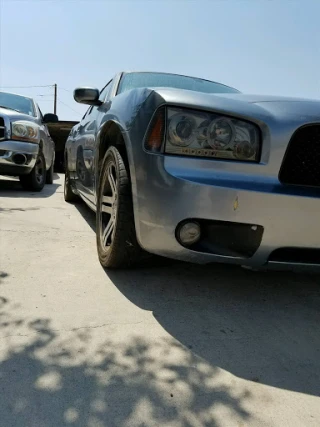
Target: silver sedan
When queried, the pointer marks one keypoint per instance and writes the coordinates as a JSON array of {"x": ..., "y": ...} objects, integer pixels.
[{"x": 194, "y": 170}]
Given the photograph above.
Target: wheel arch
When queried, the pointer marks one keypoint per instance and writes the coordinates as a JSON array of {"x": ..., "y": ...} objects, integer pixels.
[{"x": 111, "y": 134}]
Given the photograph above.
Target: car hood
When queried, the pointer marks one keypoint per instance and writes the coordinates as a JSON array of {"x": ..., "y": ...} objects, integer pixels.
[
  {"x": 15, "y": 115},
  {"x": 248, "y": 106}
]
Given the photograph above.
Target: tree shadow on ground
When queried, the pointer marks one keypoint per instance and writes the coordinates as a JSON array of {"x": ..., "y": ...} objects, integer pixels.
[
  {"x": 8, "y": 210},
  {"x": 263, "y": 327},
  {"x": 3, "y": 275},
  {"x": 87, "y": 378}
]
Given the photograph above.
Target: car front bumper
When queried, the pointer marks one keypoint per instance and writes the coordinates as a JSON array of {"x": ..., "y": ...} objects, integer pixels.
[
  {"x": 8, "y": 157},
  {"x": 165, "y": 194}
]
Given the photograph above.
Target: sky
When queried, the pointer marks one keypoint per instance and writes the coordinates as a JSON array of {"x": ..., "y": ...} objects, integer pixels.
[{"x": 269, "y": 47}]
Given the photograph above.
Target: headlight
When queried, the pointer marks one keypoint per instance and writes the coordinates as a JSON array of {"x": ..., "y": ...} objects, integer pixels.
[
  {"x": 201, "y": 134},
  {"x": 25, "y": 131},
  {"x": 181, "y": 131}
]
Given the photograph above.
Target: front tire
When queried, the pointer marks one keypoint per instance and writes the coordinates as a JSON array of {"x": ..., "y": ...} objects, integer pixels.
[
  {"x": 36, "y": 179},
  {"x": 69, "y": 195},
  {"x": 49, "y": 174},
  {"x": 116, "y": 235}
]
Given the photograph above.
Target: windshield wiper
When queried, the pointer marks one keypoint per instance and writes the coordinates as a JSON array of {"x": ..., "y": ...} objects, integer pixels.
[{"x": 8, "y": 108}]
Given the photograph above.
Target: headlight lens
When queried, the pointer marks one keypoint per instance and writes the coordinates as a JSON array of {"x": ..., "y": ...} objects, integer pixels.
[
  {"x": 181, "y": 131},
  {"x": 221, "y": 133},
  {"x": 25, "y": 131},
  {"x": 202, "y": 134}
]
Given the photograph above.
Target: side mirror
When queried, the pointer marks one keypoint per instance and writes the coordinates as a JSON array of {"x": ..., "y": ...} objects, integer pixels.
[
  {"x": 50, "y": 118},
  {"x": 87, "y": 95}
]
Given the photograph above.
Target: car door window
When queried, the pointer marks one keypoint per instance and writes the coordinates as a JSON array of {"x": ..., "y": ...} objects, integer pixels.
[
  {"x": 40, "y": 112},
  {"x": 105, "y": 92},
  {"x": 87, "y": 112},
  {"x": 44, "y": 125}
]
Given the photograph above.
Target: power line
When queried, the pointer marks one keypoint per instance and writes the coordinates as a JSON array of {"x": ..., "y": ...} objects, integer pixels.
[
  {"x": 23, "y": 87},
  {"x": 67, "y": 90},
  {"x": 68, "y": 106}
]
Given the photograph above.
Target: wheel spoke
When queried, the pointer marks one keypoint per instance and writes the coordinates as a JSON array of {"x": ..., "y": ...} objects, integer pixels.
[
  {"x": 112, "y": 181},
  {"x": 106, "y": 205},
  {"x": 107, "y": 200},
  {"x": 107, "y": 231},
  {"x": 106, "y": 209}
]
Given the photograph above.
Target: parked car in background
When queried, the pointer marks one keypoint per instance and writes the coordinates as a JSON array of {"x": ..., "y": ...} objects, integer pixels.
[
  {"x": 26, "y": 147},
  {"x": 59, "y": 132},
  {"x": 194, "y": 170}
]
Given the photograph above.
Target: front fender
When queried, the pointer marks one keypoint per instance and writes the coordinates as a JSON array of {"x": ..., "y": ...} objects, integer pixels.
[{"x": 131, "y": 112}]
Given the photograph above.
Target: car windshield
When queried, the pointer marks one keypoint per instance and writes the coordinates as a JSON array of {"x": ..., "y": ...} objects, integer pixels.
[
  {"x": 16, "y": 102},
  {"x": 137, "y": 80}
]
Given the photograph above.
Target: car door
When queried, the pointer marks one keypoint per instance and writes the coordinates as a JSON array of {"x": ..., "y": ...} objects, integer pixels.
[
  {"x": 85, "y": 146},
  {"x": 48, "y": 143},
  {"x": 70, "y": 148}
]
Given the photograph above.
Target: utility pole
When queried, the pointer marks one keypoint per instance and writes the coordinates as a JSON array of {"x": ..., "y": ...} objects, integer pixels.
[{"x": 55, "y": 99}]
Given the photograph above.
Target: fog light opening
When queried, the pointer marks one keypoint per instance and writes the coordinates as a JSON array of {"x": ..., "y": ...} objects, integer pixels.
[
  {"x": 19, "y": 159},
  {"x": 189, "y": 233}
]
